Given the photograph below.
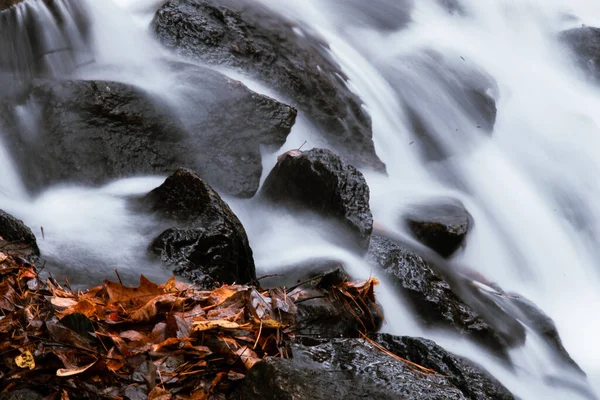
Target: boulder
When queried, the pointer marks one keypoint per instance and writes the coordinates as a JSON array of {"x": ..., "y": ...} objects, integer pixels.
[
  {"x": 470, "y": 378},
  {"x": 343, "y": 369},
  {"x": 441, "y": 225},
  {"x": 206, "y": 242},
  {"x": 93, "y": 131},
  {"x": 436, "y": 304},
  {"x": 4, "y": 4},
  {"x": 320, "y": 182},
  {"x": 16, "y": 238},
  {"x": 248, "y": 37},
  {"x": 584, "y": 42}
]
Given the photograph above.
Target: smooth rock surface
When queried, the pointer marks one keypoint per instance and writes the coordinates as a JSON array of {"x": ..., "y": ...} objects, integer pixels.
[
  {"x": 584, "y": 43},
  {"x": 255, "y": 40}
]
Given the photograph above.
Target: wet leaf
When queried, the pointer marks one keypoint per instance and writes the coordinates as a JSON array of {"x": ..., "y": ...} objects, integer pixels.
[
  {"x": 25, "y": 360},
  {"x": 74, "y": 371}
]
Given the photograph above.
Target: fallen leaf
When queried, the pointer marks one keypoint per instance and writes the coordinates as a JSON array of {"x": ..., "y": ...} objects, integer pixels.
[
  {"x": 63, "y": 302},
  {"x": 74, "y": 371},
  {"x": 139, "y": 296},
  {"x": 150, "y": 309},
  {"x": 159, "y": 394},
  {"x": 219, "y": 323},
  {"x": 133, "y": 336},
  {"x": 114, "y": 360},
  {"x": 247, "y": 356},
  {"x": 25, "y": 360},
  {"x": 3, "y": 257}
]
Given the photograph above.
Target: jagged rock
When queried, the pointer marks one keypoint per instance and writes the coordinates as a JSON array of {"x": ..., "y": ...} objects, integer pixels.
[
  {"x": 472, "y": 380},
  {"x": 16, "y": 238},
  {"x": 434, "y": 302},
  {"x": 585, "y": 44},
  {"x": 208, "y": 243},
  {"x": 343, "y": 369},
  {"x": 442, "y": 225},
  {"x": 91, "y": 131},
  {"x": 320, "y": 182},
  {"x": 249, "y": 37}
]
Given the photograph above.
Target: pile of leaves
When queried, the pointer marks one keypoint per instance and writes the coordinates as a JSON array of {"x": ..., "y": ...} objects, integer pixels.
[{"x": 151, "y": 341}]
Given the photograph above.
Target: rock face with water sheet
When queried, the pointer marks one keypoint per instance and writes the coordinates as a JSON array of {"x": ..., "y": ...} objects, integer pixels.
[
  {"x": 585, "y": 45},
  {"x": 442, "y": 225},
  {"x": 319, "y": 181},
  {"x": 356, "y": 369},
  {"x": 207, "y": 243},
  {"x": 433, "y": 300},
  {"x": 88, "y": 132},
  {"x": 247, "y": 36}
]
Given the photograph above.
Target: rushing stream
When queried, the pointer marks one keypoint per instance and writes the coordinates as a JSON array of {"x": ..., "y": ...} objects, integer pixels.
[{"x": 531, "y": 186}]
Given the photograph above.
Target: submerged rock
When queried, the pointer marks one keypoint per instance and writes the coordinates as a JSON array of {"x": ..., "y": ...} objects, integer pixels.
[
  {"x": 441, "y": 225},
  {"x": 343, "y": 369},
  {"x": 434, "y": 302},
  {"x": 470, "y": 378},
  {"x": 16, "y": 238},
  {"x": 585, "y": 44},
  {"x": 320, "y": 182},
  {"x": 249, "y": 37},
  {"x": 208, "y": 243},
  {"x": 89, "y": 132}
]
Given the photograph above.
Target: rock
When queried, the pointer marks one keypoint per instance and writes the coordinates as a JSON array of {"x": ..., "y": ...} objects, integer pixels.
[
  {"x": 322, "y": 313},
  {"x": 4, "y": 4},
  {"x": 343, "y": 369},
  {"x": 381, "y": 15},
  {"x": 291, "y": 275},
  {"x": 320, "y": 182},
  {"x": 251, "y": 38},
  {"x": 442, "y": 225},
  {"x": 208, "y": 243},
  {"x": 434, "y": 302},
  {"x": 16, "y": 238},
  {"x": 94, "y": 131},
  {"x": 584, "y": 42},
  {"x": 21, "y": 394},
  {"x": 472, "y": 380}
]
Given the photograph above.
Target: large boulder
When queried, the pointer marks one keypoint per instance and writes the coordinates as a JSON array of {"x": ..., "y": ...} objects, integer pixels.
[
  {"x": 472, "y": 380},
  {"x": 434, "y": 301},
  {"x": 92, "y": 131},
  {"x": 205, "y": 243},
  {"x": 16, "y": 238},
  {"x": 343, "y": 369},
  {"x": 442, "y": 225},
  {"x": 320, "y": 182},
  {"x": 251, "y": 38},
  {"x": 584, "y": 42}
]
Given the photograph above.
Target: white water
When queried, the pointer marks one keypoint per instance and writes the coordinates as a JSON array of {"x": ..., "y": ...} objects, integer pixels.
[{"x": 532, "y": 186}]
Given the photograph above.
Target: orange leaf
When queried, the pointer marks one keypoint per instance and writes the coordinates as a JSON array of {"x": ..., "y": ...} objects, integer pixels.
[
  {"x": 247, "y": 356},
  {"x": 114, "y": 360},
  {"x": 159, "y": 394},
  {"x": 139, "y": 296},
  {"x": 74, "y": 371}
]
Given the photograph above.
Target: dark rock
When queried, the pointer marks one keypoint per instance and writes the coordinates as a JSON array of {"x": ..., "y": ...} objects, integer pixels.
[
  {"x": 472, "y": 380},
  {"x": 434, "y": 302},
  {"x": 320, "y": 182},
  {"x": 208, "y": 243},
  {"x": 292, "y": 275},
  {"x": 92, "y": 131},
  {"x": 585, "y": 44},
  {"x": 16, "y": 238},
  {"x": 21, "y": 394},
  {"x": 322, "y": 313},
  {"x": 343, "y": 369},
  {"x": 249, "y": 37},
  {"x": 441, "y": 225}
]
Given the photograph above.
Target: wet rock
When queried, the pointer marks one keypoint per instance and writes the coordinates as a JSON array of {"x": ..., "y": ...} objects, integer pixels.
[
  {"x": 585, "y": 45},
  {"x": 208, "y": 243},
  {"x": 323, "y": 313},
  {"x": 472, "y": 380},
  {"x": 441, "y": 225},
  {"x": 4, "y": 4},
  {"x": 343, "y": 369},
  {"x": 16, "y": 238},
  {"x": 320, "y": 182},
  {"x": 434, "y": 302},
  {"x": 88, "y": 132},
  {"x": 249, "y": 37},
  {"x": 21, "y": 394},
  {"x": 294, "y": 274}
]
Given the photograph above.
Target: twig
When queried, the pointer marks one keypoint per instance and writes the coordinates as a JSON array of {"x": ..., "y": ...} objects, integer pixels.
[{"x": 118, "y": 277}]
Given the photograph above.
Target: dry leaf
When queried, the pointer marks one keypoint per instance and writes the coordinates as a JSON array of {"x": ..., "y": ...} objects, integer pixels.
[
  {"x": 247, "y": 356},
  {"x": 25, "y": 360},
  {"x": 159, "y": 394},
  {"x": 219, "y": 323},
  {"x": 139, "y": 296},
  {"x": 63, "y": 302},
  {"x": 114, "y": 360},
  {"x": 74, "y": 371}
]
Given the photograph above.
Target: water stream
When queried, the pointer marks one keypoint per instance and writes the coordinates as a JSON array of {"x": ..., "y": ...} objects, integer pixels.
[{"x": 531, "y": 185}]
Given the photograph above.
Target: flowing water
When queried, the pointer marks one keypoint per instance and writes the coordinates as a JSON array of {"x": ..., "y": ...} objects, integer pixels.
[{"x": 531, "y": 185}]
